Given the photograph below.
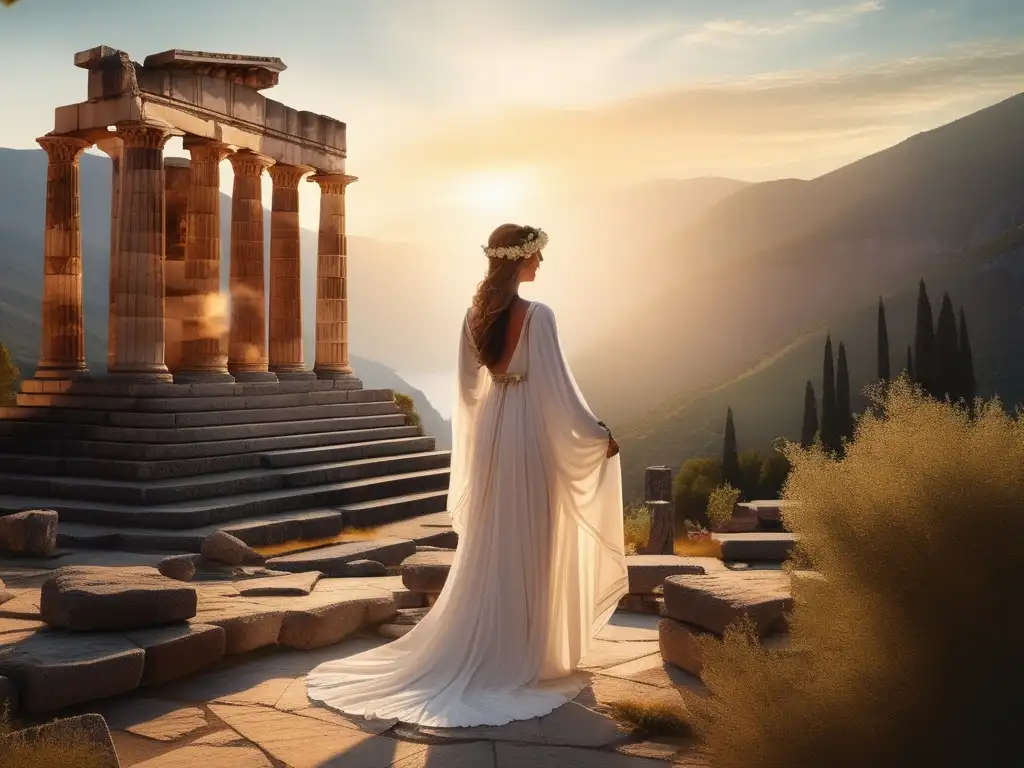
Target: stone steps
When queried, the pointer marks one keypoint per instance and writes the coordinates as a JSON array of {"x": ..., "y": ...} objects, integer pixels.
[
  {"x": 215, "y": 484},
  {"x": 390, "y": 441},
  {"x": 261, "y": 530},
  {"x": 370, "y": 428},
  {"x": 193, "y": 514},
  {"x": 164, "y": 435}
]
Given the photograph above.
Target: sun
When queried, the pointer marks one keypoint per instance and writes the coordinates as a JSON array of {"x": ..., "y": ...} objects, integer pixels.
[{"x": 492, "y": 192}]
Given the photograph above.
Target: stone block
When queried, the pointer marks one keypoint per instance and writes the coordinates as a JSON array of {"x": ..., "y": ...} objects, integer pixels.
[
  {"x": 680, "y": 645},
  {"x": 715, "y": 600},
  {"x": 331, "y": 560},
  {"x": 648, "y": 572},
  {"x": 222, "y": 547},
  {"x": 99, "y": 598},
  {"x": 427, "y": 572},
  {"x": 755, "y": 547},
  {"x": 33, "y": 532},
  {"x": 661, "y": 540},
  {"x": 179, "y": 650},
  {"x": 53, "y": 670},
  {"x": 247, "y": 626},
  {"x": 179, "y": 567},
  {"x": 291, "y": 584},
  {"x": 327, "y": 618},
  {"x": 658, "y": 484}
]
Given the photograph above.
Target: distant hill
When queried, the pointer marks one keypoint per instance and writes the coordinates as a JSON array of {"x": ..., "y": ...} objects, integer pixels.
[
  {"x": 767, "y": 399},
  {"x": 774, "y": 261},
  {"x": 22, "y": 217}
]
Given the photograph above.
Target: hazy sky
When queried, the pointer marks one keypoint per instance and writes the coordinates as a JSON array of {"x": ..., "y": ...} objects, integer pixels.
[{"x": 469, "y": 108}]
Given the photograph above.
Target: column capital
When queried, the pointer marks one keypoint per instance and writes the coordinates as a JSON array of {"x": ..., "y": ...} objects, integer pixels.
[
  {"x": 333, "y": 183},
  {"x": 144, "y": 135},
  {"x": 245, "y": 162},
  {"x": 288, "y": 176},
  {"x": 205, "y": 149},
  {"x": 62, "y": 149}
]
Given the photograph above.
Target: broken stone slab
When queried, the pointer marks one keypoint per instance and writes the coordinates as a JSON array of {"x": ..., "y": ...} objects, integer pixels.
[
  {"x": 179, "y": 567},
  {"x": 332, "y": 560},
  {"x": 288, "y": 584},
  {"x": 755, "y": 547},
  {"x": 679, "y": 644},
  {"x": 326, "y": 618},
  {"x": 79, "y": 741},
  {"x": 427, "y": 548},
  {"x": 178, "y": 650},
  {"x": 402, "y": 622},
  {"x": 387, "y": 584},
  {"x": 362, "y": 569},
  {"x": 222, "y": 547},
  {"x": 98, "y": 598},
  {"x": 715, "y": 600},
  {"x": 426, "y": 572},
  {"x": 33, "y": 532},
  {"x": 55, "y": 669},
  {"x": 648, "y": 572},
  {"x": 208, "y": 571},
  {"x": 247, "y": 625}
]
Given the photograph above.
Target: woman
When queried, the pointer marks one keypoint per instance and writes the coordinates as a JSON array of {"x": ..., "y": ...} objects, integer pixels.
[{"x": 536, "y": 499}]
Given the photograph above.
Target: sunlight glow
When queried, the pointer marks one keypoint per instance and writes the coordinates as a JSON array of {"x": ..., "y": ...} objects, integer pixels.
[{"x": 492, "y": 192}]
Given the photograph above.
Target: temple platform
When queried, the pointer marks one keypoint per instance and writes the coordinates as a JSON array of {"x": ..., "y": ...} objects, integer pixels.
[{"x": 160, "y": 466}]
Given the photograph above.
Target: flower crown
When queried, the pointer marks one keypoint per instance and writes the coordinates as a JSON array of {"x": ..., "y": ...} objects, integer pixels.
[{"x": 536, "y": 239}]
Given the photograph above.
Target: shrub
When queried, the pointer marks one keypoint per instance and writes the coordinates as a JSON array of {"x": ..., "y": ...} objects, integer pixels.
[
  {"x": 408, "y": 408},
  {"x": 693, "y": 485},
  {"x": 9, "y": 375},
  {"x": 75, "y": 748},
  {"x": 636, "y": 525},
  {"x": 650, "y": 718},
  {"x": 721, "y": 503},
  {"x": 906, "y": 653}
]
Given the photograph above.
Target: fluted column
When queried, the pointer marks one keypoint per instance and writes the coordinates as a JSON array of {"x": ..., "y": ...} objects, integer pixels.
[
  {"x": 135, "y": 348},
  {"x": 114, "y": 149},
  {"x": 331, "y": 280},
  {"x": 178, "y": 177},
  {"x": 63, "y": 343},
  {"x": 247, "y": 346},
  {"x": 285, "y": 274},
  {"x": 204, "y": 324}
]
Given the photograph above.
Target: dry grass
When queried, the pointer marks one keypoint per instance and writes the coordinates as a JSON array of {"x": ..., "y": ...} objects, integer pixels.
[
  {"x": 74, "y": 748},
  {"x": 721, "y": 503},
  {"x": 698, "y": 545},
  {"x": 300, "y": 545},
  {"x": 906, "y": 649},
  {"x": 650, "y": 719},
  {"x": 408, "y": 408},
  {"x": 636, "y": 525}
]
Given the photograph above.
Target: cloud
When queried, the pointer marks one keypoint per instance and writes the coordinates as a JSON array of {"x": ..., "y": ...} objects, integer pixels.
[
  {"x": 798, "y": 123},
  {"x": 728, "y": 31}
]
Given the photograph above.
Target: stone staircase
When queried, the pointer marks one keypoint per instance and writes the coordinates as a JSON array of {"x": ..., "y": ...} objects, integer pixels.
[{"x": 159, "y": 466}]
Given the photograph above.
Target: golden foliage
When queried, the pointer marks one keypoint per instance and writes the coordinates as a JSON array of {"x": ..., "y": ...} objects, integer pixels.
[
  {"x": 721, "y": 503},
  {"x": 636, "y": 526},
  {"x": 408, "y": 408},
  {"x": 73, "y": 748},
  {"x": 650, "y": 718},
  {"x": 905, "y": 653}
]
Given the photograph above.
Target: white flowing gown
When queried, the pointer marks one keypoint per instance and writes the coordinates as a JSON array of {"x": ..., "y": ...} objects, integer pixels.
[{"x": 539, "y": 567}]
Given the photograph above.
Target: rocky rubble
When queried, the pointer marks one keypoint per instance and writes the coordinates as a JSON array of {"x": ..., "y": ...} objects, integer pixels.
[{"x": 33, "y": 532}]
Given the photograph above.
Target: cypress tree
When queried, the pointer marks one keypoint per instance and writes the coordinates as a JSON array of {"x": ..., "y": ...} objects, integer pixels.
[
  {"x": 883, "y": 343},
  {"x": 829, "y": 427},
  {"x": 910, "y": 363},
  {"x": 924, "y": 343},
  {"x": 810, "y": 426},
  {"x": 730, "y": 454},
  {"x": 967, "y": 382},
  {"x": 844, "y": 413},
  {"x": 946, "y": 373}
]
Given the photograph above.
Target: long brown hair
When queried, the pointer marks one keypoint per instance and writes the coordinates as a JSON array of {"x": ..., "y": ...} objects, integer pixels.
[{"x": 492, "y": 303}]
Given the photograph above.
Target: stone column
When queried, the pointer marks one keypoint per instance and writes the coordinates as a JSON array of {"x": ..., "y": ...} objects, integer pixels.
[
  {"x": 135, "y": 349},
  {"x": 247, "y": 347},
  {"x": 113, "y": 147},
  {"x": 204, "y": 327},
  {"x": 285, "y": 274},
  {"x": 331, "y": 280},
  {"x": 178, "y": 178},
  {"x": 63, "y": 339}
]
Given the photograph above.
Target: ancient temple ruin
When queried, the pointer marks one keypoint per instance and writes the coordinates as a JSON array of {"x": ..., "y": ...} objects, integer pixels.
[{"x": 198, "y": 423}]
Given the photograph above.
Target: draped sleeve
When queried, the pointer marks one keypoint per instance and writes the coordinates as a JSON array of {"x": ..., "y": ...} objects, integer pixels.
[
  {"x": 470, "y": 384},
  {"x": 586, "y": 485}
]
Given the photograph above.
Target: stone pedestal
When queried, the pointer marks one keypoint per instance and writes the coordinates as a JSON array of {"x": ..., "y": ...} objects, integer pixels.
[
  {"x": 136, "y": 344},
  {"x": 205, "y": 322},
  {"x": 247, "y": 348},
  {"x": 63, "y": 338},
  {"x": 663, "y": 529},
  {"x": 331, "y": 280},
  {"x": 177, "y": 179},
  {"x": 285, "y": 356},
  {"x": 658, "y": 484}
]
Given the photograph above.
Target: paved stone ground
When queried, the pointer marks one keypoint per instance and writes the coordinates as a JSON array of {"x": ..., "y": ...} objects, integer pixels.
[{"x": 254, "y": 712}]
